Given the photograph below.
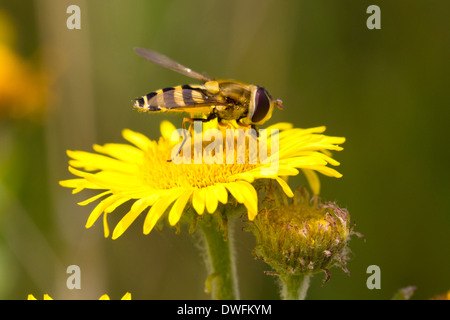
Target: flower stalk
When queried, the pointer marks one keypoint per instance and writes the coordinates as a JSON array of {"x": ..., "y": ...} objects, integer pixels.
[
  {"x": 294, "y": 287},
  {"x": 219, "y": 258}
]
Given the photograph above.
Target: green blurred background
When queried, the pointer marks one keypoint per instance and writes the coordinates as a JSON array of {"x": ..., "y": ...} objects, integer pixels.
[{"x": 385, "y": 90}]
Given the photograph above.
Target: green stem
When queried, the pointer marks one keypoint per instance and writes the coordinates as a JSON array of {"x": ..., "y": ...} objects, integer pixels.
[
  {"x": 294, "y": 287},
  {"x": 221, "y": 281}
]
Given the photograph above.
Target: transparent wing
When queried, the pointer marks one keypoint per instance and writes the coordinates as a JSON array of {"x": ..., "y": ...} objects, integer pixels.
[
  {"x": 176, "y": 98},
  {"x": 170, "y": 64}
]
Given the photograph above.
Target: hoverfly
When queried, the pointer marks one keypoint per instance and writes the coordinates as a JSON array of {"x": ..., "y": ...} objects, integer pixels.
[{"x": 226, "y": 100}]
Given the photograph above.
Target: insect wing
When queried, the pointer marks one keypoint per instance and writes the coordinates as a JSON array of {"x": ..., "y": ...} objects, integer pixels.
[{"x": 170, "y": 64}]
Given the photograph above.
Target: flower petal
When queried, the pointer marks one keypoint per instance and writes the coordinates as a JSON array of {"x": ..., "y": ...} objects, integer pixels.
[
  {"x": 250, "y": 198},
  {"x": 127, "y": 296},
  {"x": 85, "y": 202},
  {"x": 310, "y": 160},
  {"x": 78, "y": 185},
  {"x": 313, "y": 180},
  {"x": 122, "y": 152},
  {"x": 247, "y": 176},
  {"x": 177, "y": 209},
  {"x": 233, "y": 187},
  {"x": 138, "y": 139},
  {"x": 135, "y": 210},
  {"x": 98, "y": 210},
  {"x": 109, "y": 180},
  {"x": 159, "y": 207},
  {"x": 211, "y": 200},
  {"x": 198, "y": 200},
  {"x": 283, "y": 170},
  {"x": 285, "y": 187},
  {"x": 330, "y": 172},
  {"x": 113, "y": 206},
  {"x": 93, "y": 161},
  {"x": 281, "y": 126},
  {"x": 221, "y": 193},
  {"x": 167, "y": 129},
  {"x": 105, "y": 225}
]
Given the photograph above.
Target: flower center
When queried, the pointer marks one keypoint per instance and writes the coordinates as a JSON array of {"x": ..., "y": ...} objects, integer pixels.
[{"x": 159, "y": 173}]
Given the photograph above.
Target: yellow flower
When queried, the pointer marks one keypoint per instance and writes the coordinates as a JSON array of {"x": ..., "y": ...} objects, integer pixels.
[
  {"x": 46, "y": 297},
  {"x": 127, "y": 296},
  {"x": 23, "y": 87},
  {"x": 141, "y": 173}
]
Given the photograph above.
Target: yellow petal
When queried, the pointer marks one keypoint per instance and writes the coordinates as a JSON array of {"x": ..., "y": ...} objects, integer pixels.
[
  {"x": 31, "y": 297},
  {"x": 198, "y": 200},
  {"x": 78, "y": 173},
  {"x": 330, "y": 172},
  {"x": 283, "y": 170},
  {"x": 177, "y": 209},
  {"x": 123, "y": 152},
  {"x": 211, "y": 200},
  {"x": 285, "y": 187},
  {"x": 93, "y": 161},
  {"x": 306, "y": 131},
  {"x": 310, "y": 160},
  {"x": 250, "y": 198},
  {"x": 79, "y": 185},
  {"x": 247, "y": 176},
  {"x": 313, "y": 180},
  {"x": 159, "y": 207},
  {"x": 105, "y": 225},
  {"x": 127, "y": 296},
  {"x": 135, "y": 210},
  {"x": 233, "y": 187},
  {"x": 98, "y": 210},
  {"x": 108, "y": 180},
  {"x": 286, "y": 171},
  {"x": 281, "y": 126},
  {"x": 167, "y": 128},
  {"x": 71, "y": 183},
  {"x": 85, "y": 202},
  {"x": 113, "y": 206},
  {"x": 104, "y": 297},
  {"x": 221, "y": 193},
  {"x": 335, "y": 140},
  {"x": 138, "y": 139},
  {"x": 324, "y": 156}
]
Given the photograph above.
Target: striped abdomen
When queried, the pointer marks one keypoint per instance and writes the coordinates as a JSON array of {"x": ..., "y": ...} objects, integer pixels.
[{"x": 180, "y": 98}]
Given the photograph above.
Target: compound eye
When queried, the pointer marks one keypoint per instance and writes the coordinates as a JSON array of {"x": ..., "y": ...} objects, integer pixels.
[{"x": 262, "y": 105}]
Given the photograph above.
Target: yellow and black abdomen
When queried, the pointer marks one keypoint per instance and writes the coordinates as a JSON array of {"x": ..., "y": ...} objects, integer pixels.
[{"x": 181, "y": 98}]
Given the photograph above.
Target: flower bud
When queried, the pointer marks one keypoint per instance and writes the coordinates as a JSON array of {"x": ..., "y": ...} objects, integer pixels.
[{"x": 302, "y": 236}]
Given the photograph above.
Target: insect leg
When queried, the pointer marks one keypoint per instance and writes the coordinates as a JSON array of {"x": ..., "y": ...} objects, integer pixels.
[
  {"x": 226, "y": 125},
  {"x": 256, "y": 130},
  {"x": 183, "y": 126},
  {"x": 251, "y": 126}
]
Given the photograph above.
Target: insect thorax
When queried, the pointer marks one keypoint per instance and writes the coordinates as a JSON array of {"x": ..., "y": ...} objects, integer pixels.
[{"x": 237, "y": 96}]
